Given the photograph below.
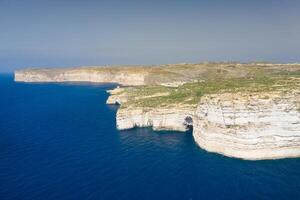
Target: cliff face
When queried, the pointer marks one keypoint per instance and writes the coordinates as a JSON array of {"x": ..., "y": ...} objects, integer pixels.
[
  {"x": 81, "y": 75},
  {"x": 245, "y": 111},
  {"x": 158, "y": 119},
  {"x": 174, "y": 118},
  {"x": 249, "y": 126}
]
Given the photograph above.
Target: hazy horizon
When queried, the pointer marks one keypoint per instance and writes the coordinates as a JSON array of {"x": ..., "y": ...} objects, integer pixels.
[{"x": 82, "y": 33}]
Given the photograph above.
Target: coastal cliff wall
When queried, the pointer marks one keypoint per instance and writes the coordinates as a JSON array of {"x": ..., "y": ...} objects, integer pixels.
[
  {"x": 159, "y": 119},
  {"x": 244, "y": 110},
  {"x": 173, "y": 118},
  {"x": 80, "y": 75},
  {"x": 249, "y": 126}
]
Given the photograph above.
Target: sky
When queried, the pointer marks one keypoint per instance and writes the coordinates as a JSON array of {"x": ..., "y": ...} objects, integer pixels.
[{"x": 44, "y": 33}]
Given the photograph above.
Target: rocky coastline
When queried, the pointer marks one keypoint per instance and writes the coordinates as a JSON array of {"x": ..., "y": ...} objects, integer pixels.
[{"x": 240, "y": 123}]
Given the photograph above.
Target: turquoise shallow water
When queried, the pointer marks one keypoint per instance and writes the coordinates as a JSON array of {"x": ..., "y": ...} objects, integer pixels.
[{"x": 58, "y": 141}]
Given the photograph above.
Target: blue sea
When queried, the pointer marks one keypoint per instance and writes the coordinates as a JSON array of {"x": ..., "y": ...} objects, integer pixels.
[{"x": 59, "y": 141}]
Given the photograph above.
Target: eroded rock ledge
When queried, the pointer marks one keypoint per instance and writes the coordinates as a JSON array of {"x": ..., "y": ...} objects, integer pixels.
[{"x": 244, "y": 111}]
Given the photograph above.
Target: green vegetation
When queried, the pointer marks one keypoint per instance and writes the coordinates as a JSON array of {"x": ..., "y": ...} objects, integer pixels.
[{"x": 190, "y": 93}]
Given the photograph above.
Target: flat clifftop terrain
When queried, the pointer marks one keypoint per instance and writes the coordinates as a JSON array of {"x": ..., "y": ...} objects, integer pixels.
[
  {"x": 167, "y": 75},
  {"x": 249, "y": 111}
]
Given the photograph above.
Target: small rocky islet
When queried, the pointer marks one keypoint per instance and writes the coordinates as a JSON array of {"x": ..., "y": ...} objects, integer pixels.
[{"x": 243, "y": 110}]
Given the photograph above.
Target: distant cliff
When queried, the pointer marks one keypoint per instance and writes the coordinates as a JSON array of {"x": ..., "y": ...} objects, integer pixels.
[
  {"x": 104, "y": 75},
  {"x": 249, "y": 111}
]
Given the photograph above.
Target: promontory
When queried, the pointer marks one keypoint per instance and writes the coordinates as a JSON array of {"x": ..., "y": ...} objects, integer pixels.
[{"x": 243, "y": 110}]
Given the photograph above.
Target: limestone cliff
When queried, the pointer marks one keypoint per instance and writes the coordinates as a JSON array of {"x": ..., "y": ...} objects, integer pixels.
[
  {"x": 252, "y": 126},
  {"x": 249, "y": 126},
  {"x": 175, "y": 119},
  {"x": 122, "y": 77},
  {"x": 249, "y": 111}
]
